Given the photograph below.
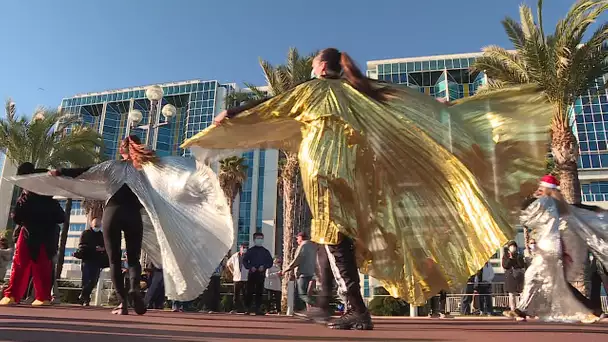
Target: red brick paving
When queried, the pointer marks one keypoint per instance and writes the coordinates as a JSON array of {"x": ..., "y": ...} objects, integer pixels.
[{"x": 68, "y": 323}]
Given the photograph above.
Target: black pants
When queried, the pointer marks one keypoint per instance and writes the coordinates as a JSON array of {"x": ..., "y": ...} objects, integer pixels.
[
  {"x": 597, "y": 279},
  {"x": 213, "y": 294},
  {"x": 339, "y": 262},
  {"x": 90, "y": 276},
  {"x": 116, "y": 220},
  {"x": 274, "y": 298},
  {"x": 240, "y": 292},
  {"x": 255, "y": 290},
  {"x": 438, "y": 303}
]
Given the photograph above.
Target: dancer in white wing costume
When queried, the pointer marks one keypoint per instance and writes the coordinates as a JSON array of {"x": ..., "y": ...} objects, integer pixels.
[
  {"x": 186, "y": 221},
  {"x": 547, "y": 293}
]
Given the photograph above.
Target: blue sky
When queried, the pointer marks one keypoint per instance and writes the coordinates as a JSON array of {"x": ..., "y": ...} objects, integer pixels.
[{"x": 55, "y": 49}]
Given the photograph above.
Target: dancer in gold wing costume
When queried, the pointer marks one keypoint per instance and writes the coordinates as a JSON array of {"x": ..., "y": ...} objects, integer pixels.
[{"x": 421, "y": 190}]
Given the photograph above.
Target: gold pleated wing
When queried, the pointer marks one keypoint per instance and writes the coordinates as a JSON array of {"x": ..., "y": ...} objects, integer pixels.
[{"x": 395, "y": 175}]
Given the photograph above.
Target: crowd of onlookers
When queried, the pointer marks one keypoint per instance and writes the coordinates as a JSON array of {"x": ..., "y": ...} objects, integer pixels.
[{"x": 477, "y": 296}]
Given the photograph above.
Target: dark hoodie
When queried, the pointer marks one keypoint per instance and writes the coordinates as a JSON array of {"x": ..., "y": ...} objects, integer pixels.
[{"x": 40, "y": 215}]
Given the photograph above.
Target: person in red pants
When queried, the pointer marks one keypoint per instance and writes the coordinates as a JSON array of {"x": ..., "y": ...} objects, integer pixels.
[{"x": 38, "y": 218}]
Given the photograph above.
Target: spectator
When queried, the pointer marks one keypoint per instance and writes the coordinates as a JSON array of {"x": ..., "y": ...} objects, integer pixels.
[
  {"x": 213, "y": 290},
  {"x": 38, "y": 217},
  {"x": 94, "y": 258},
  {"x": 239, "y": 278},
  {"x": 479, "y": 284},
  {"x": 155, "y": 295},
  {"x": 438, "y": 304},
  {"x": 514, "y": 265},
  {"x": 272, "y": 284},
  {"x": 304, "y": 263},
  {"x": 256, "y": 261}
]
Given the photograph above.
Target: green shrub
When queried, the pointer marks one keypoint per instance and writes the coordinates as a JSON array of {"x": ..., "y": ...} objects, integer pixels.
[
  {"x": 226, "y": 303},
  {"x": 388, "y": 306}
]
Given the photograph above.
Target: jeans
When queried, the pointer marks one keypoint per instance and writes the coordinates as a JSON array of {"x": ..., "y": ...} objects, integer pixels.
[
  {"x": 90, "y": 276},
  {"x": 303, "y": 283},
  {"x": 155, "y": 296},
  {"x": 485, "y": 299}
]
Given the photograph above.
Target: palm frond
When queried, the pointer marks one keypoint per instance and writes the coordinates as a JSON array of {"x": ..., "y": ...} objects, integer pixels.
[
  {"x": 527, "y": 21},
  {"x": 52, "y": 139},
  {"x": 514, "y": 32},
  {"x": 539, "y": 14},
  {"x": 269, "y": 75},
  {"x": 257, "y": 93},
  {"x": 10, "y": 109}
]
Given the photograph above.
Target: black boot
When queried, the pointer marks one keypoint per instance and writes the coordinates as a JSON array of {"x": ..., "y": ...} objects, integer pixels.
[
  {"x": 352, "y": 320},
  {"x": 135, "y": 290}
]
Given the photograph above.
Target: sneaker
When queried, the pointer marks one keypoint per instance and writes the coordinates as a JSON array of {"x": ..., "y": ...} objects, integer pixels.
[
  {"x": 8, "y": 301},
  {"x": 41, "y": 303},
  {"x": 352, "y": 321},
  {"x": 590, "y": 318},
  {"x": 434, "y": 315}
]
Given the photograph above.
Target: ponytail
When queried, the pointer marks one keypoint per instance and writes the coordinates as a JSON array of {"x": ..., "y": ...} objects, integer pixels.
[
  {"x": 355, "y": 78},
  {"x": 138, "y": 153}
]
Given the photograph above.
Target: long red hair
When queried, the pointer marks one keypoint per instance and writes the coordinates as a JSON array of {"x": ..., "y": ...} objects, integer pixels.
[{"x": 137, "y": 153}]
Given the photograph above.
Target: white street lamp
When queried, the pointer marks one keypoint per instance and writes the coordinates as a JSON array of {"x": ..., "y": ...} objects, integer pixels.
[
  {"x": 135, "y": 117},
  {"x": 169, "y": 111},
  {"x": 154, "y": 93}
]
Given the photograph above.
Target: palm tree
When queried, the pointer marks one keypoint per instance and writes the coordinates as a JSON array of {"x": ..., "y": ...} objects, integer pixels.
[
  {"x": 232, "y": 175},
  {"x": 280, "y": 79},
  {"x": 93, "y": 208},
  {"x": 50, "y": 139},
  {"x": 562, "y": 65}
]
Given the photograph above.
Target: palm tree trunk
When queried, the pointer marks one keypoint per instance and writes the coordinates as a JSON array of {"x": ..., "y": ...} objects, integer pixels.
[
  {"x": 289, "y": 176},
  {"x": 64, "y": 238},
  {"x": 564, "y": 147}
]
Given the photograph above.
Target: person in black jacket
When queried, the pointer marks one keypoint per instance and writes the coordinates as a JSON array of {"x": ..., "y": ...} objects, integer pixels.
[
  {"x": 122, "y": 215},
  {"x": 256, "y": 260},
  {"x": 38, "y": 218},
  {"x": 515, "y": 267},
  {"x": 94, "y": 258}
]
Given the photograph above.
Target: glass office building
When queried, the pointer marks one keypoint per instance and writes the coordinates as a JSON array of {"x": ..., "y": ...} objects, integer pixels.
[
  {"x": 197, "y": 102},
  {"x": 447, "y": 76}
]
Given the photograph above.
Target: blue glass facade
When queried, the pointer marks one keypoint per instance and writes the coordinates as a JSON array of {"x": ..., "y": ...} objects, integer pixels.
[
  {"x": 591, "y": 116},
  {"x": 448, "y": 77},
  {"x": 108, "y": 112},
  {"x": 77, "y": 208},
  {"x": 260, "y": 194},
  {"x": 244, "y": 220}
]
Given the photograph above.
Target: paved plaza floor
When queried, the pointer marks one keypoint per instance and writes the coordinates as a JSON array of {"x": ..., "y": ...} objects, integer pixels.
[{"x": 70, "y": 323}]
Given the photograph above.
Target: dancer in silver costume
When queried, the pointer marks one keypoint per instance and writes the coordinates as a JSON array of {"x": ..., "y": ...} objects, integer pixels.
[
  {"x": 186, "y": 218},
  {"x": 547, "y": 293}
]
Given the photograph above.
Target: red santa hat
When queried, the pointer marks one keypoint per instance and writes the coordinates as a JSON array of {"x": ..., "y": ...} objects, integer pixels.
[{"x": 549, "y": 181}]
